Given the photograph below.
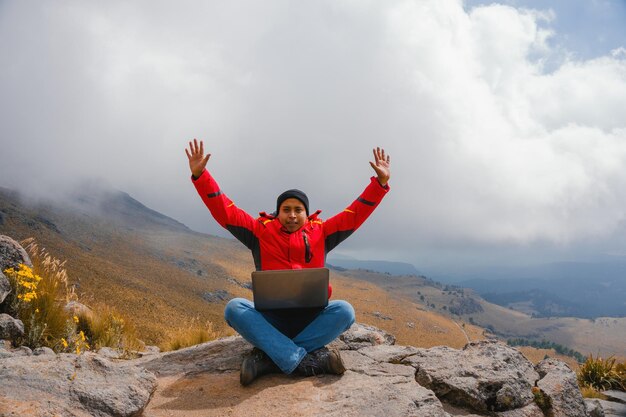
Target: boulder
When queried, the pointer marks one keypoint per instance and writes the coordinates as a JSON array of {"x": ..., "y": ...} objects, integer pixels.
[
  {"x": 206, "y": 381},
  {"x": 558, "y": 383},
  {"x": 362, "y": 335},
  {"x": 12, "y": 254},
  {"x": 5, "y": 287},
  {"x": 10, "y": 328},
  {"x": 484, "y": 376},
  {"x": 43, "y": 351},
  {"x": 71, "y": 385},
  {"x": 594, "y": 408},
  {"x": 75, "y": 308}
]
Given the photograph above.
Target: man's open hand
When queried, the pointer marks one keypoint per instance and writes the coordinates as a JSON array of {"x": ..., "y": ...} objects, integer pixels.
[
  {"x": 197, "y": 160},
  {"x": 381, "y": 166}
]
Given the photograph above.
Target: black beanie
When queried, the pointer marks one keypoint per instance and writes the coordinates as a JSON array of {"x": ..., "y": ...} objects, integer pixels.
[{"x": 297, "y": 194}]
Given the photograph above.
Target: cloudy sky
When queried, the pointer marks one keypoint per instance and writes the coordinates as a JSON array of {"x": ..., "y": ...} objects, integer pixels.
[{"x": 506, "y": 122}]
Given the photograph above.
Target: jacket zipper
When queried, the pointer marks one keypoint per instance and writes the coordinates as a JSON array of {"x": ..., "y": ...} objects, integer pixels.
[{"x": 307, "y": 249}]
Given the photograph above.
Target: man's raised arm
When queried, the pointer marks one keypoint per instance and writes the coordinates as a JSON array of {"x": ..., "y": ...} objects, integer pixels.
[
  {"x": 342, "y": 225},
  {"x": 223, "y": 210}
]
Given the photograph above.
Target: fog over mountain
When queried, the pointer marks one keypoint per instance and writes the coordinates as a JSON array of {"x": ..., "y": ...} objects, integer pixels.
[{"x": 508, "y": 147}]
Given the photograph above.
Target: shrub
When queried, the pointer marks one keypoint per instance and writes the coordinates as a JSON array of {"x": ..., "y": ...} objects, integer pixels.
[
  {"x": 39, "y": 298},
  {"x": 601, "y": 374}
]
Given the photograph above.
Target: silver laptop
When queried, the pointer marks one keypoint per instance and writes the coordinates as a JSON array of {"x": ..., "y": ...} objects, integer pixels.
[{"x": 290, "y": 288}]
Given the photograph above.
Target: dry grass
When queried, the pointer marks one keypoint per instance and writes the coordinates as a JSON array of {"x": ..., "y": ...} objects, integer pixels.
[
  {"x": 589, "y": 392},
  {"x": 537, "y": 355},
  {"x": 190, "y": 335},
  {"x": 105, "y": 327}
]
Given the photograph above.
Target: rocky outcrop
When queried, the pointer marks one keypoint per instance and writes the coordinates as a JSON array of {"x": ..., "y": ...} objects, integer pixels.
[
  {"x": 12, "y": 254},
  {"x": 485, "y": 378},
  {"x": 558, "y": 382},
  {"x": 71, "y": 385},
  {"x": 10, "y": 328}
]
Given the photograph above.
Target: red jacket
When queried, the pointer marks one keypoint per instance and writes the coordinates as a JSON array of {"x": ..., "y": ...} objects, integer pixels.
[{"x": 272, "y": 246}]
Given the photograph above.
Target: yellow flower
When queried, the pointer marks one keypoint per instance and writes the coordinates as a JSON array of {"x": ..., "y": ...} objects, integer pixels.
[
  {"x": 36, "y": 310},
  {"x": 64, "y": 343},
  {"x": 82, "y": 336},
  {"x": 76, "y": 320}
]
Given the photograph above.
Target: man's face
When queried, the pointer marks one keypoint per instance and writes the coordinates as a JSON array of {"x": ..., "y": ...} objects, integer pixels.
[{"x": 292, "y": 214}]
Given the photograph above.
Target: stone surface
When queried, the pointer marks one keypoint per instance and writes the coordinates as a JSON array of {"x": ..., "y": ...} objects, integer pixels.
[
  {"x": 594, "y": 408},
  {"x": 362, "y": 335},
  {"x": 12, "y": 254},
  {"x": 71, "y": 385},
  {"x": 613, "y": 409},
  {"x": 618, "y": 396},
  {"x": 5, "y": 287},
  {"x": 10, "y": 328},
  {"x": 204, "y": 381},
  {"x": 43, "y": 351},
  {"x": 110, "y": 353},
  {"x": 483, "y": 376},
  {"x": 531, "y": 410},
  {"x": 558, "y": 383}
]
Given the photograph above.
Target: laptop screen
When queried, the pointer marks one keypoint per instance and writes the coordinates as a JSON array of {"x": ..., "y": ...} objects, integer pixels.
[{"x": 290, "y": 288}]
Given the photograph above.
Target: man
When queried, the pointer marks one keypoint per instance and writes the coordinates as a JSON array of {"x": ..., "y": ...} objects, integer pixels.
[{"x": 290, "y": 238}]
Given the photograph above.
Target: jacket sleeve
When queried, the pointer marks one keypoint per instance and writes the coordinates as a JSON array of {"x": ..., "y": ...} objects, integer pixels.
[
  {"x": 239, "y": 223},
  {"x": 339, "y": 227}
]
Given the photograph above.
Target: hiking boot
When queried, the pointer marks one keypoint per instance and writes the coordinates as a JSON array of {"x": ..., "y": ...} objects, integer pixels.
[
  {"x": 256, "y": 364},
  {"x": 322, "y": 361}
]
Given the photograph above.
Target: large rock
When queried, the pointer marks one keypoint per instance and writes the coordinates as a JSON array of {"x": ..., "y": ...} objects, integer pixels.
[
  {"x": 484, "y": 376},
  {"x": 558, "y": 383},
  {"x": 382, "y": 379},
  {"x": 10, "y": 328},
  {"x": 203, "y": 380},
  {"x": 71, "y": 385},
  {"x": 5, "y": 287},
  {"x": 12, "y": 254}
]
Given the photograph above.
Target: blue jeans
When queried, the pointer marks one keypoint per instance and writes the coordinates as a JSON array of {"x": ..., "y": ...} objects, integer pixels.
[{"x": 287, "y": 353}]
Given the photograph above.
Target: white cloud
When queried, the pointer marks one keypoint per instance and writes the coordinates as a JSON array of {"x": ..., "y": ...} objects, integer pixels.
[{"x": 488, "y": 147}]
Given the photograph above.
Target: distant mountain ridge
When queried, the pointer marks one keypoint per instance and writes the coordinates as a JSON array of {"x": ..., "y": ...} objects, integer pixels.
[
  {"x": 584, "y": 294},
  {"x": 388, "y": 267}
]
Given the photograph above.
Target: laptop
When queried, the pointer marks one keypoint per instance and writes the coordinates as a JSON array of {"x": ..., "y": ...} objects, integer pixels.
[{"x": 290, "y": 288}]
